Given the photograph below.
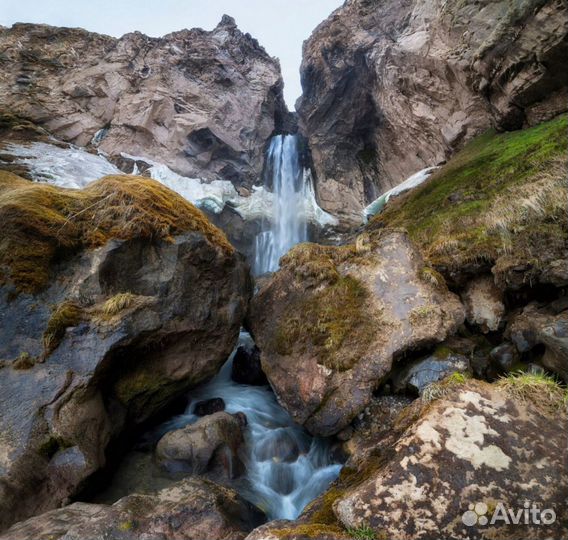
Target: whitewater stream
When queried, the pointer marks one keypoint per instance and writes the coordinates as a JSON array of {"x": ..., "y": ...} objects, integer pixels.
[{"x": 285, "y": 468}]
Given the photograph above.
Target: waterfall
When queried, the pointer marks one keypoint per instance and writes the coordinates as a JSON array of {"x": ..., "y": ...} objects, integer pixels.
[{"x": 291, "y": 185}]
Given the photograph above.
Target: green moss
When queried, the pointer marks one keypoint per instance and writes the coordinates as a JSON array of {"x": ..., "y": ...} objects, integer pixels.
[
  {"x": 51, "y": 446},
  {"x": 63, "y": 316},
  {"x": 41, "y": 222},
  {"x": 126, "y": 526},
  {"x": 488, "y": 198},
  {"x": 441, "y": 389},
  {"x": 308, "y": 530},
  {"x": 364, "y": 532},
  {"x": 333, "y": 322},
  {"x": 24, "y": 361}
]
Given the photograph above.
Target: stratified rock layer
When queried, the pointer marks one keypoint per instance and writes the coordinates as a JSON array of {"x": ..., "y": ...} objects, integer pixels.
[
  {"x": 330, "y": 321},
  {"x": 204, "y": 103},
  {"x": 393, "y": 87}
]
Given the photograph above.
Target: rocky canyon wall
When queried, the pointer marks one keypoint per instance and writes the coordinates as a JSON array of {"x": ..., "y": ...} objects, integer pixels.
[
  {"x": 204, "y": 103},
  {"x": 393, "y": 87}
]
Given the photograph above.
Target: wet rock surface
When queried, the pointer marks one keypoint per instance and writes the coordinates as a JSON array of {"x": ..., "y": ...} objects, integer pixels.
[
  {"x": 393, "y": 87},
  {"x": 204, "y": 103},
  {"x": 209, "y": 445},
  {"x": 541, "y": 326},
  {"x": 330, "y": 320},
  {"x": 247, "y": 368},
  {"x": 115, "y": 336},
  {"x": 418, "y": 375},
  {"x": 192, "y": 509}
]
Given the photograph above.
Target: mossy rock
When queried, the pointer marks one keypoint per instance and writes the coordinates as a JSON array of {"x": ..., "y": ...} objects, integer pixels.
[
  {"x": 43, "y": 223},
  {"x": 503, "y": 195}
]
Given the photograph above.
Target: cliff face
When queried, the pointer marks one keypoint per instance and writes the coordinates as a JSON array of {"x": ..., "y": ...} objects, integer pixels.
[
  {"x": 204, "y": 103},
  {"x": 393, "y": 87}
]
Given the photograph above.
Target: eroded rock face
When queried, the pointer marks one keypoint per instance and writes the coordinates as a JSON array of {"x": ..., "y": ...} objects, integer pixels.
[
  {"x": 192, "y": 509},
  {"x": 391, "y": 88},
  {"x": 493, "y": 439},
  {"x": 330, "y": 320},
  {"x": 204, "y": 103},
  {"x": 117, "y": 334}
]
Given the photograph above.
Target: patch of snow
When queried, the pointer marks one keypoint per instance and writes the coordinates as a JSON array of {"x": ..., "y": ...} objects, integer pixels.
[
  {"x": 413, "y": 181},
  {"x": 70, "y": 167}
]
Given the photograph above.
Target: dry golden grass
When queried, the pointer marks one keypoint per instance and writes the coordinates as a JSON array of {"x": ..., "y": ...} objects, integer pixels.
[
  {"x": 546, "y": 196},
  {"x": 42, "y": 223},
  {"x": 62, "y": 317}
]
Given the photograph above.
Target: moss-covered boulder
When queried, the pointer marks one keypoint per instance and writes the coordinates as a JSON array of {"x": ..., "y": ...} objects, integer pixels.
[
  {"x": 192, "y": 509},
  {"x": 465, "y": 452},
  {"x": 114, "y": 300},
  {"x": 331, "y": 320}
]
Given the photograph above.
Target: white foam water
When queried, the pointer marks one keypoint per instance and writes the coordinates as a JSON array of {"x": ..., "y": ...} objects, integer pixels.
[{"x": 286, "y": 468}]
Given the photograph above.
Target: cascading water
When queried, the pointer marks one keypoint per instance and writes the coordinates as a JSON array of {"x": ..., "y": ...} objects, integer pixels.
[
  {"x": 290, "y": 186},
  {"x": 285, "y": 467}
]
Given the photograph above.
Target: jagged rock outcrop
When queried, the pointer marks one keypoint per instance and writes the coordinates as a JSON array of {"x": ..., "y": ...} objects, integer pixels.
[
  {"x": 393, "y": 87},
  {"x": 330, "y": 321},
  {"x": 192, "y": 509},
  {"x": 114, "y": 300},
  {"x": 204, "y": 103}
]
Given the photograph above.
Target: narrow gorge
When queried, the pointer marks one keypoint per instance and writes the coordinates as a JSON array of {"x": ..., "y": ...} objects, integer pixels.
[{"x": 220, "y": 319}]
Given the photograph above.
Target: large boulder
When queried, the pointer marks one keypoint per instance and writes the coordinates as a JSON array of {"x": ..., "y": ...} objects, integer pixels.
[
  {"x": 330, "y": 321},
  {"x": 393, "y": 87},
  {"x": 212, "y": 442},
  {"x": 192, "y": 509},
  {"x": 114, "y": 300},
  {"x": 507, "y": 440},
  {"x": 204, "y": 103}
]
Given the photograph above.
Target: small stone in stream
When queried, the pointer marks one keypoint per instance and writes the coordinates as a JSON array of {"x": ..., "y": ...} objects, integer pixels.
[
  {"x": 246, "y": 367},
  {"x": 209, "y": 406}
]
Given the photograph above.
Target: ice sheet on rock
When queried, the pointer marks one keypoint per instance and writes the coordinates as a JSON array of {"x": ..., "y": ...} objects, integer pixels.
[
  {"x": 70, "y": 167},
  {"x": 413, "y": 181}
]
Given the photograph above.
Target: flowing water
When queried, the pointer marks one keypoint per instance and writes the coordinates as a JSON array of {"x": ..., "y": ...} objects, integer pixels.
[
  {"x": 286, "y": 468},
  {"x": 290, "y": 186}
]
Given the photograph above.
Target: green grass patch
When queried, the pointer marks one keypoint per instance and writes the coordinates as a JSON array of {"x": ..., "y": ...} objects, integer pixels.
[
  {"x": 543, "y": 391},
  {"x": 482, "y": 203}
]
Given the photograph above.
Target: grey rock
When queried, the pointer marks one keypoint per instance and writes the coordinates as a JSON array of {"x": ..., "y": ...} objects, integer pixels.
[
  {"x": 415, "y": 377},
  {"x": 191, "y": 509},
  {"x": 188, "y": 301},
  {"x": 210, "y": 443},
  {"x": 204, "y": 103},
  {"x": 393, "y": 87}
]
